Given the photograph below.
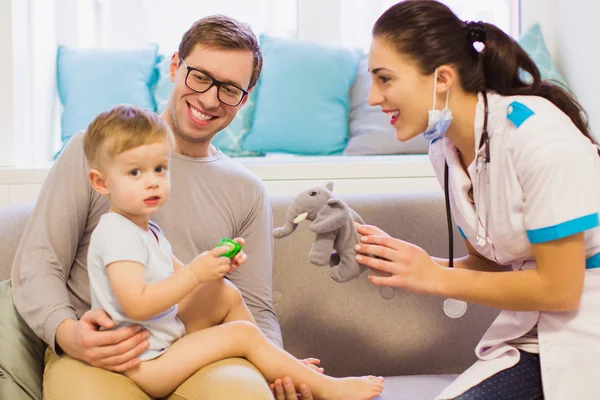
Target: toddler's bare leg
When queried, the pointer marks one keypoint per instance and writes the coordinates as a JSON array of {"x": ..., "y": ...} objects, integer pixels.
[
  {"x": 213, "y": 303},
  {"x": 242, "y": 338}
]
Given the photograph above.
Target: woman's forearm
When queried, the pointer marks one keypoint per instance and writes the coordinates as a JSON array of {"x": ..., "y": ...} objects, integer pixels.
[
  {"x": 514, "y": 290},
  {"x": 472, "y": 262}
]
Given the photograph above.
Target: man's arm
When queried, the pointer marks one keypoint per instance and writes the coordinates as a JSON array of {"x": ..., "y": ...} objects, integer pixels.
[
  {"x": 255, "y": 277},
  {"x": 49, "y": 244}
]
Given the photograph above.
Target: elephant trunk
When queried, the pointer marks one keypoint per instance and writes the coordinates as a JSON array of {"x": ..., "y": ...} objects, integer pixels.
[{"x": 292, "y": 219}]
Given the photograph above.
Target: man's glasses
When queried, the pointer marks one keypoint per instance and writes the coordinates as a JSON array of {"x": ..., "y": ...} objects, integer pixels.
[{"x": 201, "y": 82}]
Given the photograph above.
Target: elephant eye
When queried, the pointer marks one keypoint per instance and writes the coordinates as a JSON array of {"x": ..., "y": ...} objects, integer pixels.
[{"x": 313, "y": 193}]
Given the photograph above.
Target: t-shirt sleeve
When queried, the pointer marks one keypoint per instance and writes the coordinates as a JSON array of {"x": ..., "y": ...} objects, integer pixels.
[
  {"x": 121, "y": 243},
  {"x": 556, "y": 169}
]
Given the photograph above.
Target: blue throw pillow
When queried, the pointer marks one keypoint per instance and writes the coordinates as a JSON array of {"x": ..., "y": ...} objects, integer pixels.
[
  {"x": 229, "y": 140},
  {"x": 162, "y": 90},
  {"x": 91, "y": 81},
  {"x": 302, "y": 99},
  {"x": 533, "y": 43}
]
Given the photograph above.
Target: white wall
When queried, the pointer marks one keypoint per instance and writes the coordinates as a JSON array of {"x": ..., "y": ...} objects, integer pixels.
[
  {"x": 544, "y": 13},
  {"x": 578, "y": 55},
  {"x": 7, "y": 74},
  {"x": 569, "y": 28}
]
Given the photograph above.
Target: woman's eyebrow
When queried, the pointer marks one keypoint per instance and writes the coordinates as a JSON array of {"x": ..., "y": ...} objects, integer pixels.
[{"x": 380, "y": 69}]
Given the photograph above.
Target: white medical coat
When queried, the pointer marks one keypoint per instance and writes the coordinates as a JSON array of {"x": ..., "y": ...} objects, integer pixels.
[{"x": 544, "y": 184}]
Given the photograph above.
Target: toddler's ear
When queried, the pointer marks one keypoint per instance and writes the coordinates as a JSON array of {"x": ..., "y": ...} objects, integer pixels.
[{"x": 98, "y": 182}]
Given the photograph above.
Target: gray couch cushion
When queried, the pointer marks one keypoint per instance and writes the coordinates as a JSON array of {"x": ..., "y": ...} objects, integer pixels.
[
  {"x": 349, "y": 326},
  {"x": 419, "y": 387}
]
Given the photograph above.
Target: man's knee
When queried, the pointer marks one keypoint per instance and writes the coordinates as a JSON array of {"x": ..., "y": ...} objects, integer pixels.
[
  {"x": 68, "y": 379},
  {"x": 233, "y": 378}
]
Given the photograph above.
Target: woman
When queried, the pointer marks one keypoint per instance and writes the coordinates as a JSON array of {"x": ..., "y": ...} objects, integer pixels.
[{"x": 524, "y": 192}]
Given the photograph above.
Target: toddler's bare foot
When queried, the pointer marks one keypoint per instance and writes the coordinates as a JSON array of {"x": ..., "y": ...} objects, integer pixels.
[{"x": 354, "y": 388}]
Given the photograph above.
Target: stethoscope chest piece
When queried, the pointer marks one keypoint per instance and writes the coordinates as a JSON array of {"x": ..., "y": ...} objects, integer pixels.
[{"x": 455, "y": 308}]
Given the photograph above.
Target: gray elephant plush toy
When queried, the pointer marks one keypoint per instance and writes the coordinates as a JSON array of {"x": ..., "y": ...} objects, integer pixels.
[{"x": 333, "y": 224}]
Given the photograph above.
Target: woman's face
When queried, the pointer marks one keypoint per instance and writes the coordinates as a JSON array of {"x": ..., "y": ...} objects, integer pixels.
[{"x": 401, "y": 91}]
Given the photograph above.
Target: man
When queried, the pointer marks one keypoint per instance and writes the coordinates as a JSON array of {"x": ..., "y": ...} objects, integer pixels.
[{"x": 217, "y": 64}]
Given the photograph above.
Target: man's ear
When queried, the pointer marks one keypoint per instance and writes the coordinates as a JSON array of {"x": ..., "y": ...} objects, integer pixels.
[
  {"x": 175, "y": 61},
  {"x": 246, "y": 97},
  {"x": 98, "y": 182},
  {"x": 446, "y": 78}
]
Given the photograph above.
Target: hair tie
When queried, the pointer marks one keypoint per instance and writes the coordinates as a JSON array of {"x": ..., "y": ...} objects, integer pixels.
[{"x": 476, "y": 31}]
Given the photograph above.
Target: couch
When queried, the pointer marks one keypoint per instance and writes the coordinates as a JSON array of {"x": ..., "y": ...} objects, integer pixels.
[{"x": 350, "y": 327}]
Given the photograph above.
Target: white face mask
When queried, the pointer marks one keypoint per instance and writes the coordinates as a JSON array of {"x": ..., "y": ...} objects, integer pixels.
[{"x": 439, "y": 120}]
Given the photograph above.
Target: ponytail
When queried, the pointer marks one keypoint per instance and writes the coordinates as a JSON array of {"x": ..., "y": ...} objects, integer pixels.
[{"x": 504, "y": 63}]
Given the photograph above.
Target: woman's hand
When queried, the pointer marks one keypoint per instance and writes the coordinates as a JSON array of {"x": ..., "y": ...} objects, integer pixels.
[
  {"x": 408, "y": 266},
  {"x": 369, "y": 230}
]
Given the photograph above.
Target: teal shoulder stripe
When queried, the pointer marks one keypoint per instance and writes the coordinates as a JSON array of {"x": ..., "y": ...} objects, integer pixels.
[
  {"x": 517, "y": 113},
  {"x": 461, "y": 232},
  {"x": 563, "y": 229},
  {"x": 593, "y": 261}
]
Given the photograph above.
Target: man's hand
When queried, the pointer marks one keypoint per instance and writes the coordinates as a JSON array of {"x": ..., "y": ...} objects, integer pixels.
[
  {"x": 284, "y": 389},
  {"x": 114, "y": 350}
]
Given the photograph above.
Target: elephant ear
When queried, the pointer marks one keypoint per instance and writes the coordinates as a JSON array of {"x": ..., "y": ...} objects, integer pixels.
[{"x": 332, "y": 216}]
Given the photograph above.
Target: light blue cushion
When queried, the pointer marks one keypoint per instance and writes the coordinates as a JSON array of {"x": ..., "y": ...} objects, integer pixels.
[
  {"x": 162, "y": 89},
  {"x": 302, "y": 100},
  {"x": 93, "y": 80},
  {"x": 533, "y": 43},
  {"x": 229, "y": 140}
]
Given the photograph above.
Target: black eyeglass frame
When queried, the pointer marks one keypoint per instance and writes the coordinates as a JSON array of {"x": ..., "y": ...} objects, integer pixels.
[{"x": 214, "y": 82}]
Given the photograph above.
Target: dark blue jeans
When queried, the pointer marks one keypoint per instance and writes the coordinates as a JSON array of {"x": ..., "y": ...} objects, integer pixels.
[{"x": 521, "y": 382}]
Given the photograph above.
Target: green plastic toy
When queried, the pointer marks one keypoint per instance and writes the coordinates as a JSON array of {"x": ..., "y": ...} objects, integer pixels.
[{"x": 234, "y": 247}]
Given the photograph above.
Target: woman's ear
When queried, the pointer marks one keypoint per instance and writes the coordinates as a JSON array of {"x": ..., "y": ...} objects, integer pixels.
[
  {"x": 98, "y": 182},
  {"x": 446, "y": 78}
]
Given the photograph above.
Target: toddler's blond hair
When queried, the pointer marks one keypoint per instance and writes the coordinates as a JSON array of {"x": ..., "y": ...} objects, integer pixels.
[{"x": 120, "y": 129}]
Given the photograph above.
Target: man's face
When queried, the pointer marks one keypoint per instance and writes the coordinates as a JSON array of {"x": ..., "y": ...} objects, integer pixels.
[{"x": 197, "y": 117}]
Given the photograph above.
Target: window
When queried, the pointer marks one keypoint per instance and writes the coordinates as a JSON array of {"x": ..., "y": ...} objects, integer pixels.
[
  {"x": 358, "y": 16},
  {"x": 128, "y": 23}
]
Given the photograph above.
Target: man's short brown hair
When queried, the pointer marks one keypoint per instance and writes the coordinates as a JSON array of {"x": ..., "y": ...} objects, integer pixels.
[
  {"x": 226, "y": 33},
  {"x": 120, "y": 129}
]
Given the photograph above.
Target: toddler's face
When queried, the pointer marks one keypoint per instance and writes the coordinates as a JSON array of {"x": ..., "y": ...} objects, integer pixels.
[{"x": 138, "y": 180}]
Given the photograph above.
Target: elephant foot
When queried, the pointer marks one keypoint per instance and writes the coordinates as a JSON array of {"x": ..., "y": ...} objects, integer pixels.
[
  {"x": 342, "y": 273},
  {"x": 316, "y": 260}
]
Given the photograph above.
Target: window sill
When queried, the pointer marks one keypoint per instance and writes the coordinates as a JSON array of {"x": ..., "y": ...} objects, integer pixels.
[{"x": 282, "y": 174}]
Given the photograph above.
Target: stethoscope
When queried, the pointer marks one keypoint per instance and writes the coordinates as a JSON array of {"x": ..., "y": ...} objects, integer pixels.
[{"x": 452, "y": 307}]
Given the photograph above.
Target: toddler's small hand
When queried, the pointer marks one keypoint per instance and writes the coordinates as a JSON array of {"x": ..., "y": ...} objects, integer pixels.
[
  {"x": 240, "y": 257},
  {"x": 210, "y": 265}
]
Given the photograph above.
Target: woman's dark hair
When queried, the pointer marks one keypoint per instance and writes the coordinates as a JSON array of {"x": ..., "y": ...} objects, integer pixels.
[{"x": 432, "y": 35}]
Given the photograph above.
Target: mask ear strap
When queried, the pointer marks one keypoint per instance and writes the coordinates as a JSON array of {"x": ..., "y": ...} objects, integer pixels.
[
  {"x": 447, "y": 97},
  {"x": 435, "y": 74}
]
